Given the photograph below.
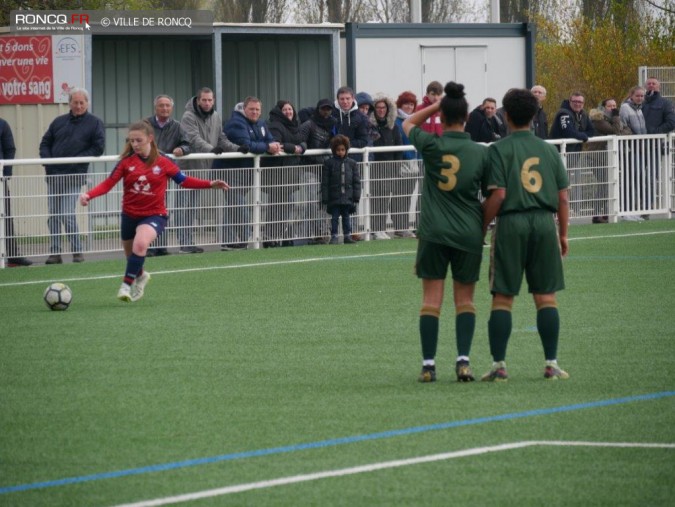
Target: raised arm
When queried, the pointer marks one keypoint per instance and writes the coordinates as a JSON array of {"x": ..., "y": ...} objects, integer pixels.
[{"x": 419, "y": 117}]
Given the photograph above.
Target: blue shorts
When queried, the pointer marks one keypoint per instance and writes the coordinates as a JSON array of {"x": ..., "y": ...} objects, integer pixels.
[{"x": 129, "y": 225}]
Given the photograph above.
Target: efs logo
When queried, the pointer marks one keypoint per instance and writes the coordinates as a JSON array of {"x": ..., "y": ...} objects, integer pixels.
[{"x": 67, "y": 47}]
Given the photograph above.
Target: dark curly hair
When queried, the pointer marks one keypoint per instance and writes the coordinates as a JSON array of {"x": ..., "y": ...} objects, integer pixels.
[{"x": 520, "y": 105}]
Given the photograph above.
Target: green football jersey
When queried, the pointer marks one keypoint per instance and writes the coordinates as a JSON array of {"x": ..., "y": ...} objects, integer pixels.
[
  {"x": 455, "y": 170},
  {"x": 531, "y": 171}
]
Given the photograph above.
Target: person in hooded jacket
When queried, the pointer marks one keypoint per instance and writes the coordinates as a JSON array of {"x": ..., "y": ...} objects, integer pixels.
[
  {"x": 606, "y": 122},
  {"x": 278, "y": 181},
  {"x": 367, "y": 109},
  {"x": 433, "y": 124},
  {"x": 340, "y": 188},
  {"x": 350, "y": 122},
  {"x": 316, "y": 133},
  {"x": 201, "y": 124},
  {"x": 631, "y": 111},
  {"x": 572, "y": 122},
  {"x": 632, "y": 114},
  {"x": 384, "y": 173},
  {"x": 246, "y": 128}
]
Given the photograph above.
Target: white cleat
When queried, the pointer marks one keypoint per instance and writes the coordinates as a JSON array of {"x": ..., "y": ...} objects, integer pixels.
[
  {"x": 138, "y": 288},
  {"x": 124, "y": 294}
]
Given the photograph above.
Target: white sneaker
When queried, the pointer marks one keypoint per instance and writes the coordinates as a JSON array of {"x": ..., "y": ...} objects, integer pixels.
[
  {"x": 138, "y": 287},
  {"x": 632, "y": 218},
  {"x": 124, "y": 294},
  {"x": 381, "y": 235}
]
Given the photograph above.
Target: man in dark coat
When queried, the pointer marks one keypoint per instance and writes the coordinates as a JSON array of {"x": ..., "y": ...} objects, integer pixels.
[
  {"x": 75, "y": 134},
  {"x": 658, "y": 112},
  {"x": 483, "y": 125},
  {"x": 7, "y": 152},
  {"x": 572, "y": 122},
  {"x": 246, "y": 128},
  {"x": 350, "y": 121},
  {"x": 171, "y": 140}
]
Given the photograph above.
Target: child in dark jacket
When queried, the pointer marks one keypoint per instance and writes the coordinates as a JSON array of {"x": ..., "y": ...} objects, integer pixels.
[{"x": 340, "y": 188}]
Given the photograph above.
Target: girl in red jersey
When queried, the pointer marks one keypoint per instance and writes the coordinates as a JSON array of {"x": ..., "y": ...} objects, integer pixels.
[{"x": 145, "y": 174}]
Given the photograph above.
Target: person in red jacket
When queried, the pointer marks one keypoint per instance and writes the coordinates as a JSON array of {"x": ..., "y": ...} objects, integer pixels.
[
  {"x": 145, "y": 174},
  {"x": 433, "y": 124}
]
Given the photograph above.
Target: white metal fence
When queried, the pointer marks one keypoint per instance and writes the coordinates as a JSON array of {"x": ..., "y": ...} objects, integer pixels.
[{"x": 626, "y": 176}]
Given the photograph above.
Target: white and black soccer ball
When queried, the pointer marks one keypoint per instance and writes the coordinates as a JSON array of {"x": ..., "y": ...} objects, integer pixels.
[{"x": 58, "y": 296}]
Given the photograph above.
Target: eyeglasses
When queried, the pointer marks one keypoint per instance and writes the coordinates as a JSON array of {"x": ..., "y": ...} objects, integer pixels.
[{"x": 577, "y": 101}]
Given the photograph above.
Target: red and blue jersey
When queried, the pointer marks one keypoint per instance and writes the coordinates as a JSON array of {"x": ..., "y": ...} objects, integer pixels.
[{"x": 145, "y": 184}]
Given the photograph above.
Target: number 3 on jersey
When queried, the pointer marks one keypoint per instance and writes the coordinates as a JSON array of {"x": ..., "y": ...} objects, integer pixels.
[
  {"x": 451, "y": 167},
  {"x": 530, "y": 179}
]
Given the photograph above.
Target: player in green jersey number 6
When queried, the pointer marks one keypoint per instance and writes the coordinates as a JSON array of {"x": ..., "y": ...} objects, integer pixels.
[
  {"x": 450, "y": 227},
  {"x": 528, "y": 184}
]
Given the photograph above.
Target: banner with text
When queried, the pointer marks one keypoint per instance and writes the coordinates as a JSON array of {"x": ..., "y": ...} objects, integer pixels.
[{"x": 40, "y": 69}]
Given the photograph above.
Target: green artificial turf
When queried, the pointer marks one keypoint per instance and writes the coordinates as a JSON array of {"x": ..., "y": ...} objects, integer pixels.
[{"x": 264, "y": 360}]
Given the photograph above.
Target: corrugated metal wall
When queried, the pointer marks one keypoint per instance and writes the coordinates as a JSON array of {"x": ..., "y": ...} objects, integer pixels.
[
  {"x": 274, "y": 67},
  {"x": 29, "y": 122},
  {"x": 129, "y": 72}
]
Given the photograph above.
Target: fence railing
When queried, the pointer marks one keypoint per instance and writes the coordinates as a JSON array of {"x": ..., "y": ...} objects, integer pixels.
[{"x": 281, "y": 205}]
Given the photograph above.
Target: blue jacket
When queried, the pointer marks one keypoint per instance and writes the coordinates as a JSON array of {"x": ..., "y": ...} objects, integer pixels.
[
  {"x": 406, "y": 155},
  {"x": 659, "y": 114},
  {"x": 568, "y": 125},
  {"x": 241, "y": 131},
  {"x": 72, "y": 136},
  {"x": 7, "y": 147}
]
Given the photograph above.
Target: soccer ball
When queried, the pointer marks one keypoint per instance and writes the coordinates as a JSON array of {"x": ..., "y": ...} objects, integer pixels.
[{"x": 58, "y": 296}]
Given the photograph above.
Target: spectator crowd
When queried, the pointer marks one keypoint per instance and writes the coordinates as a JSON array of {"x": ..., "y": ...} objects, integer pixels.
[{"x": 351, "y": 120}]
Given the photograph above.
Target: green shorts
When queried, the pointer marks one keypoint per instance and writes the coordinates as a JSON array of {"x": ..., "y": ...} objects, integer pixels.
[
  {"x": 433, "y": 260},
  {"x": 526, "y": 241}
]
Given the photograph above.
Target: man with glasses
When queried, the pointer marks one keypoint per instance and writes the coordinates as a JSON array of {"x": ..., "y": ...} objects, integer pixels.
[{"x": 572, "y": 122}]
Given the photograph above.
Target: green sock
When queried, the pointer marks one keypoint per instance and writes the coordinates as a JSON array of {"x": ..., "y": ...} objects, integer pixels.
[
  {"x": 548, "y": 325},
  {"x": 499, "y": 331},
  {"x": 465, "y": 323},
  {"x": 429, "y": 335}
]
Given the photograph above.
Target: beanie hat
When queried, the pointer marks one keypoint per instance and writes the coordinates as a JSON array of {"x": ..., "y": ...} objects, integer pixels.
[
  {"x": 406, "y": 98},
  {"x": 324, "y": 103}
]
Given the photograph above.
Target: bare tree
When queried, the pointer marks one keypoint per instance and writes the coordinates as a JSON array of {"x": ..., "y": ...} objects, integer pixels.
[
  {"x": 333, "y": 11},
  {"x": 446, "y": 11},
  {"x": 251, "y": 11},
  {"x": 514, "y": 11},
  {"x": 171, "y": 5},
  {"x": 389, "y": 11}
]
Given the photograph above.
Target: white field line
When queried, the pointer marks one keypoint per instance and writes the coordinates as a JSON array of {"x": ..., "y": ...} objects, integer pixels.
[
  {"x": 282, "y": 481},
  {"x": 294, "y": 261}
]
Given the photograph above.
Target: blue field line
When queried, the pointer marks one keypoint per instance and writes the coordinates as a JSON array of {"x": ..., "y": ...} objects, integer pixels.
[{"x": 332, "y": 442}]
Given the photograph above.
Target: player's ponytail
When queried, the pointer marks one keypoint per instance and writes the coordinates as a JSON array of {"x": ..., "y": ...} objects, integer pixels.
[{"x": 454, "y": 107}]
